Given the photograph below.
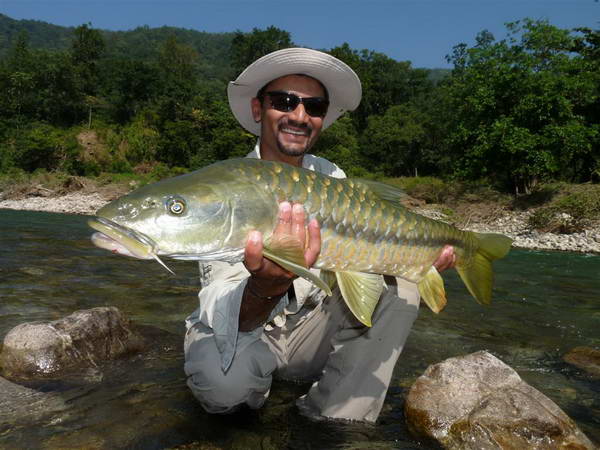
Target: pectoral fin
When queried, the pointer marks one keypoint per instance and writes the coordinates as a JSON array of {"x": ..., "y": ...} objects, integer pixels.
[
  {"x": 329, "y": 278},
  {"x": 361, "y": 291},
  {"x": 289, "y": 254},
  {"x": 432, "y": 290}
]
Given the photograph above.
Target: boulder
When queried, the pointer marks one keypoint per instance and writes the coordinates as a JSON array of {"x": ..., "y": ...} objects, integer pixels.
[
  {"x": 586, "y": 359},
  {"x": 478, "y": 402},
  {"x": 81, "y": 340}
]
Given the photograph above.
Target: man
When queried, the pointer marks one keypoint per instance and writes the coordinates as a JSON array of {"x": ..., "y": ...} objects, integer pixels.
[{"x": 255, "y": 318}]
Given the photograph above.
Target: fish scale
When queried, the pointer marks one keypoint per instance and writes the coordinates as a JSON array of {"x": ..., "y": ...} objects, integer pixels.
[
  {"x": 344, "y": 220},
  {"x": 365, "y": 231}
]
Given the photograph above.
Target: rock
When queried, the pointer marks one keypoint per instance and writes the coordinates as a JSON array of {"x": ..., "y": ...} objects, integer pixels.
[
  {"x": 586, "y": 359},
  {"x": 25, "y": 404},
  {"x": 80, "y": 340},
  {"x": 478, "y": 402}
]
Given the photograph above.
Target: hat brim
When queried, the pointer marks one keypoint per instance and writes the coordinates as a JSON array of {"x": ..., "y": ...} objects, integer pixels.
[{"x": 342, "y": 84}]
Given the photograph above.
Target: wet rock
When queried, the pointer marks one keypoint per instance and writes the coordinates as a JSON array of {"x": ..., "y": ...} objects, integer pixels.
[
  {"x": 78, "y": 341},
  {"x": 26, "y": 404},
  {"x": 586, "y": 359},
  {"x": 478, "y": 402}
]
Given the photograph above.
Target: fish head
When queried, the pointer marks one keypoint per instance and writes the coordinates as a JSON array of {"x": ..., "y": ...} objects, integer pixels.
[{"x": 174, "y": 217}]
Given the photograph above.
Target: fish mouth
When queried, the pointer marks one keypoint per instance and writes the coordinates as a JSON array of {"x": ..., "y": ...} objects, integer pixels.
[{"x": 123, "y": 241}]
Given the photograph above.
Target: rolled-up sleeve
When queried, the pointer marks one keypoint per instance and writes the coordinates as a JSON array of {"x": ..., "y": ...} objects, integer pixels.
[{"x": 220, "y": 298}]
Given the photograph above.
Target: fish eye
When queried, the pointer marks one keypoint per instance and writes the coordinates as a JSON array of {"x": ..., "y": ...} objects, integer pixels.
[{"x": 176, "y": 206}]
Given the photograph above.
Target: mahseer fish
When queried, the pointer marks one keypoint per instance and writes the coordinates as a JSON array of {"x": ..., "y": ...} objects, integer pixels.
[{"x": 366, "y": 232}]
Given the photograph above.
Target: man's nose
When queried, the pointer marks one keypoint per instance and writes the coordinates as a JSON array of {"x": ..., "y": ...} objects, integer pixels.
[{"x": 299, "y": 114}]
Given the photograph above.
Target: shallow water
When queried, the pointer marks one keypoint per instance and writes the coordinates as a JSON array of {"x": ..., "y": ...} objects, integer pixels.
[{"x": 545, "y": 303}]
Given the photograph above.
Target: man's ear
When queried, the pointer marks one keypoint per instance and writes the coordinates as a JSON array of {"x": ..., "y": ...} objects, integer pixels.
[{"x": 256, "y": 107}]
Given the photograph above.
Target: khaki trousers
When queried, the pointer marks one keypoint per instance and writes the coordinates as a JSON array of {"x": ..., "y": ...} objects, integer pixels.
[{"x": 351, "y": 365}]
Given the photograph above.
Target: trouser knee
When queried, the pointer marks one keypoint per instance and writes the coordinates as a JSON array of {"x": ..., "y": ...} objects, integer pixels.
[{"x": 247, "y": 381}]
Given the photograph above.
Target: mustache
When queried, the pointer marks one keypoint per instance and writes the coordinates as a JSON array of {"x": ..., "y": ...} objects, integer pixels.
[{"x": 292, "y": 123}]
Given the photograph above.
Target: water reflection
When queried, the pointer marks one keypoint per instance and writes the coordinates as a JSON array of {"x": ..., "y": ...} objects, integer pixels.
[{"x": 545, "y": 304}]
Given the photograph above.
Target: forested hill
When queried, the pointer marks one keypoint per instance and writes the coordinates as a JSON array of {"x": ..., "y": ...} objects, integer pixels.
[
  {"x": 41, "y": 34},
  {"x": 139, "y": 43},
  {"x": 512, "y": 112},
  {"x": 142, "y": 43}
]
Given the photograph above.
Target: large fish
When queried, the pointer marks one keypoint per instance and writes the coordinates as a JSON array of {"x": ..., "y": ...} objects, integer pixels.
[{"x": 366, "y": 233}]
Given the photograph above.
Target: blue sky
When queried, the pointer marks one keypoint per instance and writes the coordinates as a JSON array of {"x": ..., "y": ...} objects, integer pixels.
[{"x": 421, "y": 31}]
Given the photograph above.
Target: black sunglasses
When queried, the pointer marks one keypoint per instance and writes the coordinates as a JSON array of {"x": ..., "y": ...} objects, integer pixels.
[{"x": 288, "y": 102}]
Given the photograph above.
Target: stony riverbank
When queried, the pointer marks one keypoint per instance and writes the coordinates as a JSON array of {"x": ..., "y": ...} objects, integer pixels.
[{"x": 511, "y": 223}]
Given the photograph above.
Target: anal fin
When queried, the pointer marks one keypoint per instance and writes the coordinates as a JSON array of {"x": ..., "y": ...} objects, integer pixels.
[
  {"x": 432, "y": 291},
  {"x": 361, "y": 292}
]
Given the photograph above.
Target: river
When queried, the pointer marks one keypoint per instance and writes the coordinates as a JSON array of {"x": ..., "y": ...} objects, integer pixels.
[{"x": 545, "y": 303}]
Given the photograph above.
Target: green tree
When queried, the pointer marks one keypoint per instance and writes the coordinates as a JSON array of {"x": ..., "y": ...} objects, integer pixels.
[
  {"x": 248, "y": 47},
  {"x": 339, "y": 143},
  {"x": 514, "y": 106},
  {"x": 385, "y": 81},
  {"x": 393, "y": 142},
  {"x": 87, "y": 47}
]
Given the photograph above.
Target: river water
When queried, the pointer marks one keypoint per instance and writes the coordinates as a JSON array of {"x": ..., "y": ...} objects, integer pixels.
[{"x": 545, "y": 303}]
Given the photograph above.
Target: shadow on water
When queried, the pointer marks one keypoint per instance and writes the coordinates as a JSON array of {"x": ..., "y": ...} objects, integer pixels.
[{"x": 545, "y": 304}]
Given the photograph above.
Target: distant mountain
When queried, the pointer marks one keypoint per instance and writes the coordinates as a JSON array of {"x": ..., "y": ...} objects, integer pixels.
[
  {"x": 437, "y": 75},
  {"x": 140, "y": 43},
  {"x": 41, "y": 34}
]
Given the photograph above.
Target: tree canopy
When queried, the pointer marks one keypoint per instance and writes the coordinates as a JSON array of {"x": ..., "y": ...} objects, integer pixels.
[{"x": 512, "y": 111}]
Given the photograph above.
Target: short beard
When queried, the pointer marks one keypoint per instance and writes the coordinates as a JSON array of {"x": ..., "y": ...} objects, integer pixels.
[{"x": 294, "y": 151}]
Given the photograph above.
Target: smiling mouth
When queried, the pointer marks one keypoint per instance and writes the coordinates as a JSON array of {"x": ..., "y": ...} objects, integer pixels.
[{"x": 295, "y": 132}]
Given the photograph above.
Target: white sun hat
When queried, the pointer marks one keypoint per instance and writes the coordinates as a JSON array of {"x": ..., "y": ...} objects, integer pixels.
[{"x": 339, "y": 79}]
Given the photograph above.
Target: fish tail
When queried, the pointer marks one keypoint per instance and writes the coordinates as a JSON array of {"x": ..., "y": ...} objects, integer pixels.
[{"x": 476, "y": 271}]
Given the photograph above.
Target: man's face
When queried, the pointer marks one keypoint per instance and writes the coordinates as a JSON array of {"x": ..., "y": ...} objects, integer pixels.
[{"x": 287, "y": 136}]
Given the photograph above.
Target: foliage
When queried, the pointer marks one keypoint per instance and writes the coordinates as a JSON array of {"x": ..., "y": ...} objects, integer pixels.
[
  {"x": 429, "y": 189},
  {"x": 516, "y": 107},
  {"x": 248, "y": 47},
  {"x": 571, "y": 213},
  {"x": 392, "y": 142},
  {"x": 38, "y": 146},
  {"x": 340, "y": 143},
  {"x": 513, "y": 113}
]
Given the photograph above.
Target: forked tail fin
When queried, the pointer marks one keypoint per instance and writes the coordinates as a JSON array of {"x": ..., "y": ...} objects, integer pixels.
[{"x": 477, "y": 272}]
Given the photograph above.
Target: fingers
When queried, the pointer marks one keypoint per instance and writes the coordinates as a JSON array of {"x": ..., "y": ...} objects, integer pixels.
[
  {"x": 298, "y": 223},
  {"x": 253, "y": 253},
  {"x": 291, "y": 221},
  {"x": 446, "y": 260},
  {"x": 314, "y": 243},
  {"x": 284, "y": 219}
]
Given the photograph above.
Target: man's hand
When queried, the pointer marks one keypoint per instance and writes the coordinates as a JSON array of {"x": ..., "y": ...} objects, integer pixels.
[
  {"x": 446, "y": 260},
  {"x": 268, "y": 279}
]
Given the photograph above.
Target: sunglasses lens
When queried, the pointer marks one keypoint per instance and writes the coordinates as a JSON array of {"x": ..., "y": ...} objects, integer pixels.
[
  {"x": 316, "y": 107},
  {"x": 284, "y": 102},
  {"x": 288, "y": 102}
]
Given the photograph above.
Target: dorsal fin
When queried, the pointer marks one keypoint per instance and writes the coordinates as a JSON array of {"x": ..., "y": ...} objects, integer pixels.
[{"x": 384, "y": 191}]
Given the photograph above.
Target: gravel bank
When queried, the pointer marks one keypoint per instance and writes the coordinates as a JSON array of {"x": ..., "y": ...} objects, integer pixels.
[
  {"x": 513, "y": 224},
  {"x": 73, "y": 203}
]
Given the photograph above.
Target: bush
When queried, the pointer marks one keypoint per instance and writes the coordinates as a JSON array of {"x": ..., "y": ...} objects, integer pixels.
[
  {"x": 429, "y": 189},
  {"x": 570, "y": 213}
]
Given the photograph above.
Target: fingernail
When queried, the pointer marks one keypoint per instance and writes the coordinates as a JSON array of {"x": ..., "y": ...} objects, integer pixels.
[
  {"x": 255, "y": 237},
  {"x": 298, "y": 208},
  {"x": 285, "y": 207}
]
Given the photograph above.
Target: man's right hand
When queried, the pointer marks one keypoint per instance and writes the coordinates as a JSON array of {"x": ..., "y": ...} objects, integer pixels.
[{"x": 267, "y": 278}]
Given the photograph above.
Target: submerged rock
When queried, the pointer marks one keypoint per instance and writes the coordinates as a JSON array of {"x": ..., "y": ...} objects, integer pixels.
[
  {"x": 478, "y": 402},
  {"x": 78, "y": 341},
  {"x": 586, "y": 359},
  {"x": 25, "y": 404}
]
